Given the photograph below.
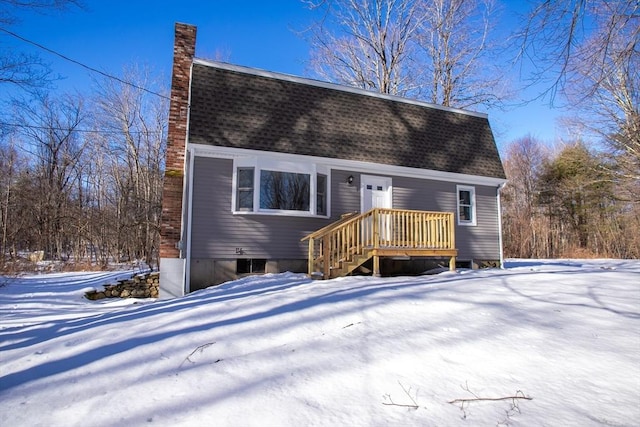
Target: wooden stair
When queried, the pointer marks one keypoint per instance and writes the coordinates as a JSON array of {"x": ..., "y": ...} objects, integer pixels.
[
  {"x": 340, "y": 248},
  {"x": 346, "y": 267}
]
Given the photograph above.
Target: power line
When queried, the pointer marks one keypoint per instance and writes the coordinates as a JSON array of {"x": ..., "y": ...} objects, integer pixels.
[
  {"x": 66, "y": 58},
  {"x": 112, "y": 132}
]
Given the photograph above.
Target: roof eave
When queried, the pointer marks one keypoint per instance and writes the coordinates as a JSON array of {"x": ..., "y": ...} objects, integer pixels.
[{"x": 353, "y": 165}]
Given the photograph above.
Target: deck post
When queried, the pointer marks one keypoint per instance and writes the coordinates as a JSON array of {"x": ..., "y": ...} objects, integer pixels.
[
  {"x": 326, "y": 263},
  {"x": 311, "y": 263},
  {"x": 376, "y": 242},
  {"x": 452, "y": 241},
  {"x": 376, "y": 266}
]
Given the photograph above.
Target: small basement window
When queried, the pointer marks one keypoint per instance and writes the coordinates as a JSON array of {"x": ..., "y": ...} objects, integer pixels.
[{"x": 250, "y": 265}]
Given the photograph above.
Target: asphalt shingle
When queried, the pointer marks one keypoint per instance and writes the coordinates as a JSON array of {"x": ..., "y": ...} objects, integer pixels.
[{"x": 231, "y": 108}]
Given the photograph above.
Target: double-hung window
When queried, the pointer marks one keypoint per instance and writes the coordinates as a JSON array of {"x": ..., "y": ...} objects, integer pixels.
[
  {"x": 321, "y": 194},
  {"x": 276, "y": 187},
  {"x": 244, "y": 192},
  {"x": 466, "y": 197}
]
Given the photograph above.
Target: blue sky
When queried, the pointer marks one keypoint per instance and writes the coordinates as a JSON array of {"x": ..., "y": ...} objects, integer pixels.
[{"x": 109, "y": 35}]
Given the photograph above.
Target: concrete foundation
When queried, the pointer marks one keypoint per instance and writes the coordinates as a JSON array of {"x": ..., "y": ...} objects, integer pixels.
[
  {"x": 172, "y": 276},
  {"x": 211, "y": 272}
]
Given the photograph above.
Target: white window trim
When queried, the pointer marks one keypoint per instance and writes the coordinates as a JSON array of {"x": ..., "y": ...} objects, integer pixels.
[
  {"x": 472, "y": 192},
  {"x": 266, "y": 163}
]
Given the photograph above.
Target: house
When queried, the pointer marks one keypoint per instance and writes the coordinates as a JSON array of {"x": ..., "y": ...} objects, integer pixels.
[{"x": 267, "y": 172}]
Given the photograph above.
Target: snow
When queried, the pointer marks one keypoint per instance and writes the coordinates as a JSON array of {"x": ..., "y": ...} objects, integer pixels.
[{"x": 283, "y": 350}]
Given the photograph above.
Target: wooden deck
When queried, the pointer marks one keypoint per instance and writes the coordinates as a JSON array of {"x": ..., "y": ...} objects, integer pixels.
[{"x": 340, "y": 248}]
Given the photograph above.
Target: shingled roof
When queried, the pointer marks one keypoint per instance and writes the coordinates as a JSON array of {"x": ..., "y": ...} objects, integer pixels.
[{"x": 244, "y": 108}]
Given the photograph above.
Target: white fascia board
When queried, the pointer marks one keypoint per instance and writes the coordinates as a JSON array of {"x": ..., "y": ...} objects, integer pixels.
[
  {"x": 203, "y": 150},
  {"x": 327, "y": 85}
]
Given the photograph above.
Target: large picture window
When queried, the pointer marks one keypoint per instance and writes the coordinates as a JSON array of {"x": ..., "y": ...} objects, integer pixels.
[
  {"x": 466, "y": 205},
  {"x": 285, "y": 190},
  {"x": 275, "y": 187}
]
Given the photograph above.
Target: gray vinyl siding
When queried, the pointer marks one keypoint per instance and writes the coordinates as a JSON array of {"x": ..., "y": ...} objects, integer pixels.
[
  {"x": 423, "y": 195},
  {"x": 481, "y": 241},
  {"x": 473, "y": 242},
  {"x": 344, "y": 197},
  {"x": 217, "y": 232}
]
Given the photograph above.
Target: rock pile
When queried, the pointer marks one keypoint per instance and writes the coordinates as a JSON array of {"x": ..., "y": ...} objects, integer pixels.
[{"x": 140, "y": 286}]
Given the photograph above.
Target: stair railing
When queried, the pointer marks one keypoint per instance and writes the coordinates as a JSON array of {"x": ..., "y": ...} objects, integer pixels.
[{"x": 354, "y": 235}]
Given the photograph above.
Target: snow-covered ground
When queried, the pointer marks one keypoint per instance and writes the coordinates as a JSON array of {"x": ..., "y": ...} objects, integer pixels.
[{"x": 282, "y": 350}]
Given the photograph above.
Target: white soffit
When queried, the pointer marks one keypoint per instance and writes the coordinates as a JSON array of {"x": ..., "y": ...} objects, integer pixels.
[{"x": 202, "y": 150}]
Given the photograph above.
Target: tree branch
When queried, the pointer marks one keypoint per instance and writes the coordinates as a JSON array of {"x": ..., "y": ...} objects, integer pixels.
[
  {"x": 200, "y": 349},
  {"x": 412, "y": 405},
  {"x": 518, "y": 395}
]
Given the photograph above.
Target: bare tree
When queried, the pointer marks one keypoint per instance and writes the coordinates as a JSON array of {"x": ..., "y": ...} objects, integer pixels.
[
  {"x": 564, "y": 204},
  {"x": 133, "y": 139},
  {"x": 8, "y": 173},
  {"x": 366, "y": 44},
  {"x": 425, "y": 49},
  {"x": 9, "y": 8},
  {"x": 603, "y": 88},
  {"x": 454, "y": 34},
  {"x": 49, "y": 134},
  {"x": 555, "y": 32},
  {"x": 588, "y": 51},
  {"x": 28, "y": 71},
  {"x": 523, "y": 228}
]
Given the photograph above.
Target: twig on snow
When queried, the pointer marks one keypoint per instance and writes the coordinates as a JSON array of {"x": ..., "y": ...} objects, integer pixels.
[
  {"x": 413, "y": 405},
  {"x": 350, "y": 325},
  {"x": 464, "y": 402},
  {"x": 200, "y": 349},
  {"x": 519, "y": 395}
]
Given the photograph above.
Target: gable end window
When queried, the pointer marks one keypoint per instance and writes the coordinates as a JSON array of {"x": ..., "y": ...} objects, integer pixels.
[
  {"x": 466, "y": 204},
  {"x": 272, "y": 187}
]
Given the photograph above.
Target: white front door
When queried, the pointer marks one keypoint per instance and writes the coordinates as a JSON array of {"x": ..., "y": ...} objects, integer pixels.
[{"x": 375, "y": 192}]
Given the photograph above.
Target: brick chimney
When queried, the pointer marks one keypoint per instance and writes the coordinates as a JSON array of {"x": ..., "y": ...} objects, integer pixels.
[
  {"x": 172, "y": 262},
  {"x": 171, "y": 222}
]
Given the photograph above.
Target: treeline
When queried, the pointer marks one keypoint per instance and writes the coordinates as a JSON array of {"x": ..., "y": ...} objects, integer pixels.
[
  {"x": 81, "y": 176},
  {"x": 81, "y": 180},
  {"x": 570, "y": 202}
]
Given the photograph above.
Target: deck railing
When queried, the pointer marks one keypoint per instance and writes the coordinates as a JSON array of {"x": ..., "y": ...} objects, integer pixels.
[{"x": 351, "y": 239}]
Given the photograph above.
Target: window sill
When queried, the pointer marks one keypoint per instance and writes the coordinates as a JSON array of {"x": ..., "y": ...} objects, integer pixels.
[{"x": 298, "y": 214}]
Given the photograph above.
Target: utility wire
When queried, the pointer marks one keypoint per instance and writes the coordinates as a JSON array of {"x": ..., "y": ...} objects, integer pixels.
[
  {"x": 66, "y": 58},
  {"x": 109, "y": 132}
]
